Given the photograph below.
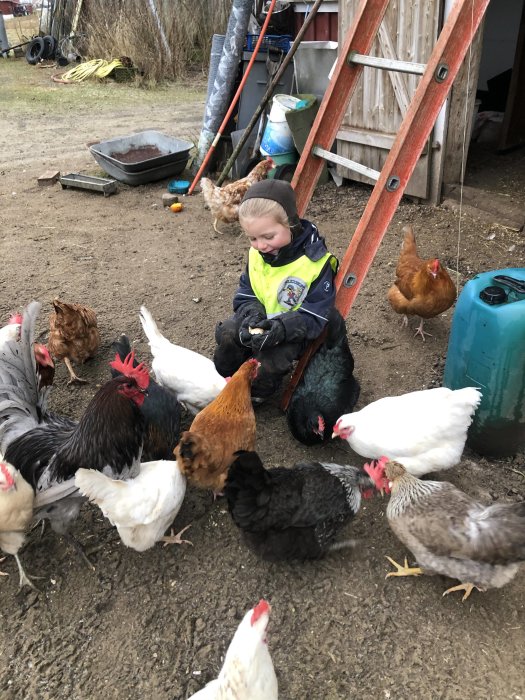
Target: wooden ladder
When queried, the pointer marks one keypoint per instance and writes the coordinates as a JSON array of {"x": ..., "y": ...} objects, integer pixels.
[{"x": 437, "y": 78}]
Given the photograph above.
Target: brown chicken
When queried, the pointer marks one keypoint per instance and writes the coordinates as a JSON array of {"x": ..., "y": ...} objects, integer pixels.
[
  {"x": 16, "y": 512},
  {"x": 224, "y": 201},
  {"x": 73, "y": 335},
  {"x": 227, "y": 424},
  {"x": 422, "y": 287}
]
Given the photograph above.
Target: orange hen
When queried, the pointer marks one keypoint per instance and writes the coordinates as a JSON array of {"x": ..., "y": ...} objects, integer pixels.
[
  {"x": 227, "y": 424},
  {"x": 422, "y": 287},
  {"x": 73, "y": 335},
  {"x": 224, "y": 201}
]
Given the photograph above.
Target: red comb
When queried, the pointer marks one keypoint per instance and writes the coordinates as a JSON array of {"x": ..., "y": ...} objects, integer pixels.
[
  {"x": 8, "y": 478},
  {"x": 434, "y": 265},
  {"x": 139, "y": 373},
  {"x": 376, "y": 471},
  {"x": 15, "y": 318},
  {"x": 259, "y": 610},
  {"x": 321, "y": 424}
]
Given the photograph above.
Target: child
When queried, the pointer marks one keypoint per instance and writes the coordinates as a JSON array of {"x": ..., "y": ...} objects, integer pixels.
[{"x": 286, "y": 291}]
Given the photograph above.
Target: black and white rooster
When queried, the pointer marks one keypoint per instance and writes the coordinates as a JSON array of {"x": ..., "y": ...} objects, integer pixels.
[{"x": 47, "y": 448}]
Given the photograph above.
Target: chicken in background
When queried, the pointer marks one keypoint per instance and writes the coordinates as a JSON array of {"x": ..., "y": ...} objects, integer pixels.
[
  {"x": 224, "y": 201},
  {"x": 422, "y": 287},
  {"x": 452, "y": 534},
  {"x": 425, "y": 430},
  {"x": 142, "y": 508},
  {"x": 16, "y": 513},
  {"x": 73, "y": 335},
  {"x": 327, "y": 389},
  {"x": 161, "y": 411},
  {"x": 247, "y": 672},
  {"x": 48, "y": 449},
  {"x": 45, "y": 366},
  {"x": 294, "y": 513},
  {"x": 191, "y": 376},
  {"x": 226, "y": 425}
]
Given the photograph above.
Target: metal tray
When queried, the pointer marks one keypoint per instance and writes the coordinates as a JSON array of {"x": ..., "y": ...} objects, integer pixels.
[
  {"x": 89, "y": 182},
  {"x": 142, "y": 177},
  {"x": 171, "y": 148}
]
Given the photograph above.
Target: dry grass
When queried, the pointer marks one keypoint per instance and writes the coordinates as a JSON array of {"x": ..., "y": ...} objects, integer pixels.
[{"x": 129, "y": 28}]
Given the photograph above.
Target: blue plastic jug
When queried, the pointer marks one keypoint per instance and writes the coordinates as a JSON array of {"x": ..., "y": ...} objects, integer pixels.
[{"x": 486, "y": 349}]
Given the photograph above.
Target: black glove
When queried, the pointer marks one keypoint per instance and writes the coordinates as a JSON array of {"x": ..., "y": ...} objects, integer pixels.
[
  {"x": 274, "y": 334},
  {"x": 252, "y": 317}
]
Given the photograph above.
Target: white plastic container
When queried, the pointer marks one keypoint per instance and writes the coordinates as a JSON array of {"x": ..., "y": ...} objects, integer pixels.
[{"x": 277, "y": 138}]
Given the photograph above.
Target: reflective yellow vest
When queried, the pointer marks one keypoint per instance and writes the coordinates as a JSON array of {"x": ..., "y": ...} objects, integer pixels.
[{"x": 284, "y": 288}]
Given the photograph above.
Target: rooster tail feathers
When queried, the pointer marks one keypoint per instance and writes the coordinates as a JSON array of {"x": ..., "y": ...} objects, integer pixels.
[
  {"x": 155, "y": 337},
  {"x": 23, "y": 404}
]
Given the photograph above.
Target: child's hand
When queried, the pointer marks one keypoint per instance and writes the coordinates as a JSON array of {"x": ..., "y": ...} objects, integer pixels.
[{"x": 274, "y": 334}]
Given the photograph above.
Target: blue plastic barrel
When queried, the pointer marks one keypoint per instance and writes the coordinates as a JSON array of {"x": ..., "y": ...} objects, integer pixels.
[{"x": 487, "y": 349}]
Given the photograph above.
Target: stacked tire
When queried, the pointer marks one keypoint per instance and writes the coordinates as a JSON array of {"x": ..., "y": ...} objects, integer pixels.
[{"x": 40, "y": 48}]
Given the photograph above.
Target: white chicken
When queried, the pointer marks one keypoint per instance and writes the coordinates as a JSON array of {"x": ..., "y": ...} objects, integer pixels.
[
  {"x": 191, "y": 376},
  {"x": 16, "y": 511},
  {"x": 11, "y": 331},
  {"x": 247, "y": 672},
  {"x": 141, "y": 508},
  {"x": 424, "y": 430}
]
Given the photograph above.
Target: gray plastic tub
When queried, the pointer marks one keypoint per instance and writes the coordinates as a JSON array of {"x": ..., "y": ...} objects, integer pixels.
[{"x": 114, "y": 157}]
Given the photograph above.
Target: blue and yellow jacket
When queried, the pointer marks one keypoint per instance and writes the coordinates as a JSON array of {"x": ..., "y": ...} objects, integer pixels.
[{"x": 297, "y": 284}]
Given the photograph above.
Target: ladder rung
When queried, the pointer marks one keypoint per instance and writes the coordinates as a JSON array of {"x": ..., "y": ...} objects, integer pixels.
[
  {"x": 386, "y": 63},
  {"x": 346, "y": 162}
]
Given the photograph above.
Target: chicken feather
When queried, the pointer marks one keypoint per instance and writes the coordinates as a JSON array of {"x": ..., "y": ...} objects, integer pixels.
[
  {"x": 454, "y": 535},
  {"x": 425, "y": 430},
  {"x": 224, "y": 201}
]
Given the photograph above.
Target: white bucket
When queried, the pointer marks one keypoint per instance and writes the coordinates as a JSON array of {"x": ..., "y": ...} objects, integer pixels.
[{"x": 277, "y": 138}]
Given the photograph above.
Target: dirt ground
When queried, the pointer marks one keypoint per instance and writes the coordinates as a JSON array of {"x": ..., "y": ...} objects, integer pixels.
[{"x": 156, "y": 625}]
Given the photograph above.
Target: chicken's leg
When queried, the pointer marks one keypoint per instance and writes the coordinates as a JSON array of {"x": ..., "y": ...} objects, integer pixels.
[
  {"x": 24, "y": 578},
  {"x": 467, "y": 587},
  {"x": 405, "y": 570},
  {"x": 404, "y": 321},
  {"x": 76, "y": 544},
  {"x": 421, "y": 332},
  {"x": 215, "y": 226},
  {"x": 74, "y": 377},
  {"x": 3, "y": 573},
  {"x": 175, "y": 539}
]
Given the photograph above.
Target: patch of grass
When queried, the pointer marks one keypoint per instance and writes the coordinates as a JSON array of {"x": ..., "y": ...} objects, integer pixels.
[
  {"x": 30, "y": 88},
  {"x": 21, "y": 29}
]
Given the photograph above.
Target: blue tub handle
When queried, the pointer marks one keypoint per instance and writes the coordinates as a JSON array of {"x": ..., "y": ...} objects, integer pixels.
[{"x": 516, "y": 285}]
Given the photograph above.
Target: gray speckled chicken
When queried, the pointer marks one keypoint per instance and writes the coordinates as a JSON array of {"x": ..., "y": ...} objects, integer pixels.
[{"x": 452, "y": 534}]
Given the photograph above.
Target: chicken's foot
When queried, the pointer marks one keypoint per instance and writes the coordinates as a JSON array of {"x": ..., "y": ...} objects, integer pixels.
[
  {"x": 467, "y": 587},
  {"x": 421, "y": 332},
  {"x": 3, "y": 573},
  {"x": 74, "y": 377},
  {"x": 175, "y": 539},
  {"x": 24, "y": 578},
  {"x": 80, "y": 550},
  {"x": 405, "y": 570}
]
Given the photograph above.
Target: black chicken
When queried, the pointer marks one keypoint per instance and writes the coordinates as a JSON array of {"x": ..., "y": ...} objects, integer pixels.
[
  {"x": 293, "y": 513},
  {"x": 161, "y": 411},
  {"x": 328, "y": 388},
  {"x": 48, "y": 449}
]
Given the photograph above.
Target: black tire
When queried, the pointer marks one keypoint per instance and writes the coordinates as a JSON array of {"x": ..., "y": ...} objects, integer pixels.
[
  {"x": 35, "y": 51},
  {"x": 285, "y": 172},
  {"x": 50, "y": 46}
]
